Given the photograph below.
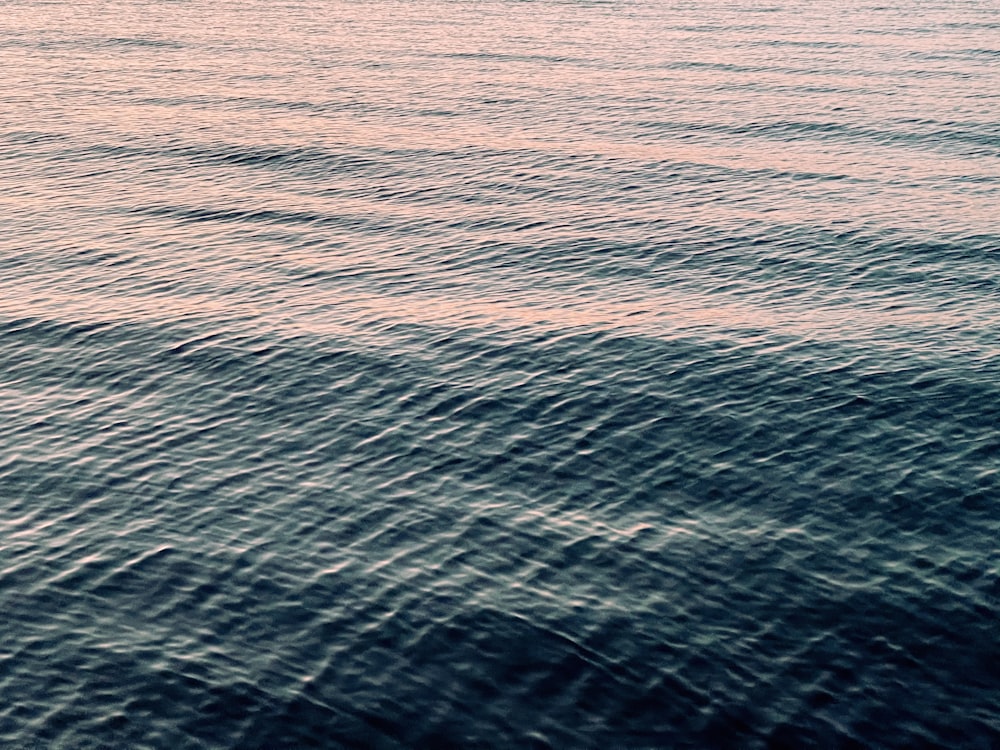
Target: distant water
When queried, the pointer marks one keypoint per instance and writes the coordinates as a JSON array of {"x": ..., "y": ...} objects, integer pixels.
[{"x": 500, "y": 374}]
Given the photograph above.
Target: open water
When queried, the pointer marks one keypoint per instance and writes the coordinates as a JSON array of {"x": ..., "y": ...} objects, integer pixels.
[{"x": 500, "y": 374}]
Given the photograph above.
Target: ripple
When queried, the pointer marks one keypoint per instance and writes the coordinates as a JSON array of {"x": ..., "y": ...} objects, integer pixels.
[{"x": 499, "y": 374}]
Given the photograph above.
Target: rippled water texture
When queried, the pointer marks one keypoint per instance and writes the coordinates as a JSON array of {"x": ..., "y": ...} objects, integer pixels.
[{"x": 499, "y": 374}]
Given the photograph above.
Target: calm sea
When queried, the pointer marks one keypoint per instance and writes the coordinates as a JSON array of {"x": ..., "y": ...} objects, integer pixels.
[{"x": 500, "y": 374}]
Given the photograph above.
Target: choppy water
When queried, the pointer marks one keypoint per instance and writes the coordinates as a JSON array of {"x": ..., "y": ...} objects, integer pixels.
[{"x": 499, "y": 374}]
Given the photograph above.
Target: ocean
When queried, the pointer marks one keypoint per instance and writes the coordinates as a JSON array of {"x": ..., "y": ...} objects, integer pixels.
[{"x": 485, "y": 373}]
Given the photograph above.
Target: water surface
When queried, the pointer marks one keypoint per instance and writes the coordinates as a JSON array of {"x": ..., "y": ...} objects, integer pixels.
[{"x": 499, "y": 374}]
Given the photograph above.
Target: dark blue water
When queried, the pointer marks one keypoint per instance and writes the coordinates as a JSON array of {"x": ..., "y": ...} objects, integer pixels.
[{"x": 499, "y": 374}]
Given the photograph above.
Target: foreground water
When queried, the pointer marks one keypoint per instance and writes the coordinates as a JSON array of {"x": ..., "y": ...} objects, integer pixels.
[{"x": 499, "y": 374}]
